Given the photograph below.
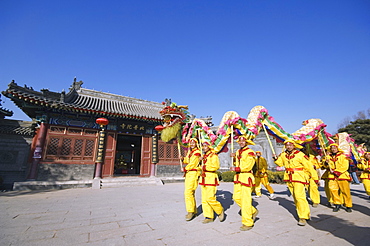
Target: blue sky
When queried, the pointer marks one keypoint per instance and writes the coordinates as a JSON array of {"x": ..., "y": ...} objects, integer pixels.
[{"x": 299, "y": 59}]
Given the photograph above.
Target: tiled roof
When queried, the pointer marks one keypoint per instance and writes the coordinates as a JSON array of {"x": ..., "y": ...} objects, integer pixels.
[
  {"x": 17, "y": 127},
  {"x": 5, "y": 112},
  {"x": 87, "y": 101}
]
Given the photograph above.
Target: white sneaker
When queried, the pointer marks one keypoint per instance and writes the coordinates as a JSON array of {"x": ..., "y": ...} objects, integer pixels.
[
  {"x": 272, "y": 196},
  {"x": 257, "y": 196}
]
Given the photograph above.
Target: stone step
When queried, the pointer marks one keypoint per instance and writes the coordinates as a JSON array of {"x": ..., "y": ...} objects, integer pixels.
[
  {"x": 51, "y": 185},
  {"x": 175, "y": 179},
  {"x": 129, "y": 181},
  {"x": 102, "y": 183}
]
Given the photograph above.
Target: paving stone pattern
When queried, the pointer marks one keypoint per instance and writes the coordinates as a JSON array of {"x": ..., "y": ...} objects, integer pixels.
[{"x": 155, "y": 215}]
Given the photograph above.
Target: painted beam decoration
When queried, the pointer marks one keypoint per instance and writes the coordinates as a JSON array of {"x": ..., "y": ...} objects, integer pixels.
[{"x": 312, "y": 135}]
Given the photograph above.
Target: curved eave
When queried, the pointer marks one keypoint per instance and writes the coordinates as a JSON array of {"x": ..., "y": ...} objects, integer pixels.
[
  {"x": 76, "y": 109},
  {"x": 6, "y": 112}
]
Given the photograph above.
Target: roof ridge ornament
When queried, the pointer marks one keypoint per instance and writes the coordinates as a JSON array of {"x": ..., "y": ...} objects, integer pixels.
[
  {"x": 76, "y": 85},
  {"x": 62, "y": 95}
]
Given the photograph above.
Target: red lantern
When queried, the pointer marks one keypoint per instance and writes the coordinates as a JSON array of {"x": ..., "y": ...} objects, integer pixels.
[
  {"x": 159, "y": 128},
  {"x": 102, "y": 122}
]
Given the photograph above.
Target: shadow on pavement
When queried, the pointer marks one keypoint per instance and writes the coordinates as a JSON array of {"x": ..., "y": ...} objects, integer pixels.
[
  {"x": 288, "y": 205},
  {"x": 285, "y": 192},
  {"x": 360, "y": 194},
  {"x": 225, "y": 198},
  {"x": 362, "y": 209},
  {"x": 340, "y": 228},
  {"x": 25, "y": 192}
]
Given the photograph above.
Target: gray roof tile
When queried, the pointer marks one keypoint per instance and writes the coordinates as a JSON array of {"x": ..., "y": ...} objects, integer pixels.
[{"x": 89, "y": 101}]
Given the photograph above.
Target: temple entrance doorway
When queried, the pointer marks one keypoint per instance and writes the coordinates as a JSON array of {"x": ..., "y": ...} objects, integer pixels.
[{"x": 128, "y": 155}]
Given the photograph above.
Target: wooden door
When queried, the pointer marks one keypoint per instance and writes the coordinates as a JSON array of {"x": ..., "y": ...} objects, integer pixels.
[
  {"x": 146, "y": 156},
  {"x": 109, "y": 155}
]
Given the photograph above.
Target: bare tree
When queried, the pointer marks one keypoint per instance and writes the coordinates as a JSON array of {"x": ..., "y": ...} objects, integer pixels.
[
  {"x": 361, "y": 115},
  {"x": 344, "y": 122}
]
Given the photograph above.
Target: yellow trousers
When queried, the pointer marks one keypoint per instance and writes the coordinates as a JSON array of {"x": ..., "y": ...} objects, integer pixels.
[
  {"x": 327, "y": 191},
  {"x": 237, "y": 194},
  {"x": 209, "y": 203},
  {"x": 191, "y": 184},
  {"x": 313, "y": 192},
  {"x": 341, "y": 193},
  {"x": 298, "y": 192},
  {"x": 243, "y": 197},
  {"x": 366, "y": 183},
  {"x": 265, "y": 182},
  {"x": 246, "y": 206}
]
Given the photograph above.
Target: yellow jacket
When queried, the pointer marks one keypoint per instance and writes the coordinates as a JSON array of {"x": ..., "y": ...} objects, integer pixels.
[
  {"x": 297, "y": 167},
  {"x": 211, "y": 164},
  {"x": 324, "y": 166},
  {"x": 314, "y": 161},
  {"x": 261, "y": 167},
  {"x": 365, "y": 166},
  {"x": 338, "y": 165},
  {"x": 192, "y": 160},
  {"x": 315, "y": 165},
  {"x": 245, "y": 159}
]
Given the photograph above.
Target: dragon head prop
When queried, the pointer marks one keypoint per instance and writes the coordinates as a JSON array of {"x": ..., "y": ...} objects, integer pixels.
[{"x": 174, "y": 117}]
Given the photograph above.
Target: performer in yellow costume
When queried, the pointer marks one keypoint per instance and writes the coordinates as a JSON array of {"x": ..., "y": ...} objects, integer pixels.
[
  {"x": 339, "y": 178},
  {"x": 261, "y": 176},
  {"x": 325, "y": 177},
  {"x": 209, "y": 182},
  {"x": 313, "y": 189},
  {"x": 244, "y": 160},
  {"x": 297, "y": 166},
  {"x": 191, "y": 174},
  {"x": 324, "y": 166},
  {"x": 365, "y": 175}
]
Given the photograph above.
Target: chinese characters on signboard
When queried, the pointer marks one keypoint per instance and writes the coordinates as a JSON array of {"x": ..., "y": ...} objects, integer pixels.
[{"x": 135, "y": 128}]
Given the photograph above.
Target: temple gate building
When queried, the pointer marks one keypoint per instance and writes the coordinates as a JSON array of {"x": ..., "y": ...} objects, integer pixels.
[{"x": 66, "y": 141}]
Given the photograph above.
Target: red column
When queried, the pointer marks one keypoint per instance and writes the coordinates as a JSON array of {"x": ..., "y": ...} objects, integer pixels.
[
  {"x": 152, "y": 170},
  {"x": 154, "y": 155},
  {"x": 37, "y": 154},
  {"x": 100, "y": 155}
]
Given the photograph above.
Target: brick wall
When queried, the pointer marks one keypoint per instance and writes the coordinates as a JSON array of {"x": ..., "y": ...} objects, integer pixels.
[
  {"x": 14, "y": 152},
  {"x": 53, "y": 172},
  {"x": 168, "y": 171}
]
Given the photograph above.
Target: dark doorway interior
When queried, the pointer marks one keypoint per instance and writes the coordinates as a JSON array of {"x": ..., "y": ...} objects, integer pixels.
[{"x": 128, "y": 155}]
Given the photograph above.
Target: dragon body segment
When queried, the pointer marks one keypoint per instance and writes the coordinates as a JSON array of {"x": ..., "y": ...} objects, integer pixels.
[{"x": 312, "y": 135}]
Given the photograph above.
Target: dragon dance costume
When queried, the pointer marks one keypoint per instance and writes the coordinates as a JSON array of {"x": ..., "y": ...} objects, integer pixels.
[
  {"x": 324, "y": 166},
  {"x": 365, "y": 175},
  {"x": 339, "y": 179},
  {"x": 261, "y": 176},
  {"x": 313, "y": 190},
  {"x": 209, "y": 182},
  {"x": 297, "y": 166},
  {"x": 243, "y": 184},
  {"x": 192, "y": 172}
]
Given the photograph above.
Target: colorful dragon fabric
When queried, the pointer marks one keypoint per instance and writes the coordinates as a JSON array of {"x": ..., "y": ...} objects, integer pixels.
[{"x": 312, "y": 135}]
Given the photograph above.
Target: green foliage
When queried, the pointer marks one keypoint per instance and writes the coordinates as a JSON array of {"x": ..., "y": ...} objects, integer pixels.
[
  {"x": 359, "y": 131},
  {"x": 228, "y": 176},
  {"x": 276, "y": 177},
  {"x": 219, "y": 174}
]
